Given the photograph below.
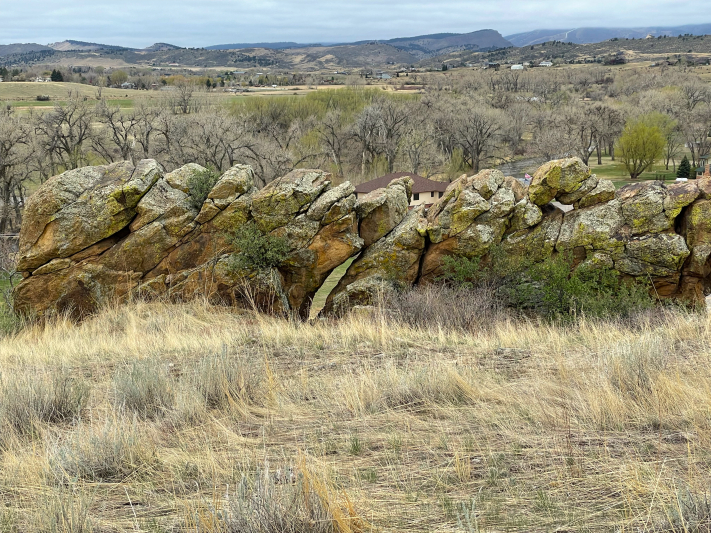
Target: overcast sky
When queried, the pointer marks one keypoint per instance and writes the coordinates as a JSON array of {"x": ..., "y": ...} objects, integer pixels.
[{"x": 195, "y": 23}]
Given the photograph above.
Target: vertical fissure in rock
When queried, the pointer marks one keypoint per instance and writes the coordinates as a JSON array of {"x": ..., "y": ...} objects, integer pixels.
[
  {"x": 422, "y": 259},
  {"x": 321, "y": 296}
]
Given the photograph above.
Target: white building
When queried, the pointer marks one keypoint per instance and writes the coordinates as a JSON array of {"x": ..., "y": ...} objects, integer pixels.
[
  {"x": 545, "y": 64},
  {"x": 516, "y": 67},
  {"x": 424, "y": 191}
]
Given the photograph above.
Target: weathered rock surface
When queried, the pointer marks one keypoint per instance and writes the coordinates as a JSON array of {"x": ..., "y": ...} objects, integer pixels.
[
  {"x": 383, "y": 209},
  {"x": 559, "y": 180},
  {"x": 80, "y": 208},
  {"x": 97, "y": 234},
  {"x": 392, "y": 261}
]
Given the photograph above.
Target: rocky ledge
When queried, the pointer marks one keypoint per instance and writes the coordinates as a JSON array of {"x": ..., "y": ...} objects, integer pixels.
[{"x": 114, "y": 232}]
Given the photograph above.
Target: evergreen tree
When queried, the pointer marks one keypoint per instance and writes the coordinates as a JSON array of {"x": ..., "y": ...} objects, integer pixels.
[
  {"x": 56, "y": 76},
  {"x": 684, "y": 168}
]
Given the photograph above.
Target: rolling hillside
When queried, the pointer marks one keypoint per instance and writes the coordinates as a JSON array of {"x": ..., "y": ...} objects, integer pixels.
[
  {"x": 597, "y": 35},
  {"x": 431, "y": 45},
  {"x": 269, "y": 46},
  {"x": 10, "y": 49}
]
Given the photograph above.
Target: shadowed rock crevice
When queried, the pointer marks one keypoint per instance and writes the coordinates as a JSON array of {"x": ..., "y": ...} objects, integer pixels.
[{"x": 98, "y": 234}]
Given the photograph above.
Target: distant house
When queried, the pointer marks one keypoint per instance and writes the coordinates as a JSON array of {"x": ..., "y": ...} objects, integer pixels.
[
  {"x": 704, "y": 169},
  {"x": 128, "y": 85},
  {"x": 424, "y": 191},
  {"x": 516, "y": 67},
  {"x": 545, "y": 64}
]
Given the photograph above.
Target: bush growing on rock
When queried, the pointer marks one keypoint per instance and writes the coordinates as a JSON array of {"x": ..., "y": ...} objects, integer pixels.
[
  {"x": 552, "y": 288},
  {"x": 200, "y": 184},
  {"x": 257, "y": 251},
  {"x": 496, "y": 271}
]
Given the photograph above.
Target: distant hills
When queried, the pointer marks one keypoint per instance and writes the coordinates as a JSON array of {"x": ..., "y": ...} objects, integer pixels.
[
  {"x": 419, "y": 47},
  {"x": 598, "y": 35},
  {"x": 424, "y": 46},
  {"x": 81, "y": 46},
  {"x": 161, "y": 47},
  {"x": 429, "y": 50},
  {"x": 268, "y": 46},
  {"x": 10, "y": 49}
]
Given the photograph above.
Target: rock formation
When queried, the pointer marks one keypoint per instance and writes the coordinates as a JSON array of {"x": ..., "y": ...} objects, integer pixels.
[{"x": 118, "y": 231}]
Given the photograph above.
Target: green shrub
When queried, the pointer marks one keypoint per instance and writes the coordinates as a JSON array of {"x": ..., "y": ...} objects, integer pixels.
[
  {"x": 684, "y": 168},
  {"x": 257, "y": 251},
  {"x": 498, "y": 269},
  {"x": 200, "y": 184},
  {"x": 551, "y": 288},
  {"x": 690, "y": 512}
]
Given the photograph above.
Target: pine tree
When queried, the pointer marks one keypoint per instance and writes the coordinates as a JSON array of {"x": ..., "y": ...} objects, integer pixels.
[
  {"x": 56, "y": 76},
  {"x": 684, "y": 168}
]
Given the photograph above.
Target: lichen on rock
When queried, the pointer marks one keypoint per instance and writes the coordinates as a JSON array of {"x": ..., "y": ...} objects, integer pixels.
[{"x": 98, "y": 234}]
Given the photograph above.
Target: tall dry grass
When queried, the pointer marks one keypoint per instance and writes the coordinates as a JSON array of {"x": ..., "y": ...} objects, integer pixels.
[{"x": 157, "y": 417}]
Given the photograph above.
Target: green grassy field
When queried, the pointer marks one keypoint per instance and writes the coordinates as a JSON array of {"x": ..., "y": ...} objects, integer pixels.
[{"x": 615, "y": 171}]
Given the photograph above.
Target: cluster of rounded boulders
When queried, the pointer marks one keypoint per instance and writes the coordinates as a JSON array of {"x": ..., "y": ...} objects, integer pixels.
[{"x": 100, "y": 233}]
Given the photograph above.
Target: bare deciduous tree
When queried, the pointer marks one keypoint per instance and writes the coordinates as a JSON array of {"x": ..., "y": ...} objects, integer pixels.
[
  {"x": 478, "y": 132},
  {"x": 117, "y": 138},
  {"x": 65, "y": 133},
  {"x": 15, "y": 154}
]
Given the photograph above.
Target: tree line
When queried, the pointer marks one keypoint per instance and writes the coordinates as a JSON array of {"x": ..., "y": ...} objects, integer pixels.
[{"x": 465, "y": 124}]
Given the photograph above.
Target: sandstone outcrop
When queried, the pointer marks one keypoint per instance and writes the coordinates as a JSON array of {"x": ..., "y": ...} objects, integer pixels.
[{"x": 101, "y": 233}]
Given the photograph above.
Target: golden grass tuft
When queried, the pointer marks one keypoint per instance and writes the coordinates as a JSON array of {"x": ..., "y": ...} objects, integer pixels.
[{"x": 368, "y": 424}]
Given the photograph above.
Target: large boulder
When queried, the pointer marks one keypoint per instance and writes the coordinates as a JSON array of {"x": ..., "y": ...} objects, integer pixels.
[
  {"x": 220, "y": 283},
  {"x": 74, "y": 288},
  {"x": 471, "y": 217},
  {"x": 383, "y": 209},
  {"x": 559, "y": 180},
  {"x": 99, "y": 234},
  {"x": 81, "y": 207},
  {"x": 393, "y": 260},
  {"x": 282, "y": 200}
]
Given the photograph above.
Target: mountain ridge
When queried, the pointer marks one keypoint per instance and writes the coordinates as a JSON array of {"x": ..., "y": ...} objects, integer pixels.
[
  {"x": 20, "y": 48},
  {"x": 590, "y": 35}
]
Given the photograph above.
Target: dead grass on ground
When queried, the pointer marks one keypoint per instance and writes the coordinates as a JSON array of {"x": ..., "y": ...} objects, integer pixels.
[{"x": 156, "y": 417}]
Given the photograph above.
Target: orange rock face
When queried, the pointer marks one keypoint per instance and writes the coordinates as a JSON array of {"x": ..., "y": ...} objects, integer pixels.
[{"x": 100, "y": 234}]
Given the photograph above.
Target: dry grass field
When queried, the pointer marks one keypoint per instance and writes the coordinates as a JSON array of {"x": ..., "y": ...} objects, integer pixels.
[
  {"x": 156, "y": 417},
  {"x": 28, "y": 91}
]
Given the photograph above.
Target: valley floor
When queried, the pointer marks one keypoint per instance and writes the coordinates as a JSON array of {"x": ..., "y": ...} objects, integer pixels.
[{"x": 154, "y": 417}]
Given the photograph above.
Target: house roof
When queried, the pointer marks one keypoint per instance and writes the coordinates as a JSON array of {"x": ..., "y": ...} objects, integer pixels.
[{"x": 420, "y": 184}]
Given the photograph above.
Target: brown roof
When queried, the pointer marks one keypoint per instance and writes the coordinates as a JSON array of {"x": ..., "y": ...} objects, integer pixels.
[{"x": 420, "y": 184}]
